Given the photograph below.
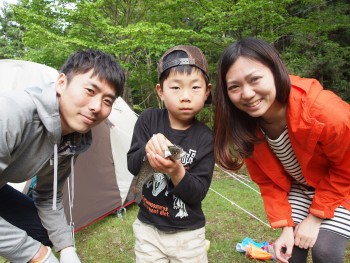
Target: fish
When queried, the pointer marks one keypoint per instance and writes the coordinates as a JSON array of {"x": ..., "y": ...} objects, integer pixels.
[{"x": 173, "y": 152}]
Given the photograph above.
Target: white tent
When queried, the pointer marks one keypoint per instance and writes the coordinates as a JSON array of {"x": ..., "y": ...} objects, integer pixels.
[{"x": 102, "y": 180}]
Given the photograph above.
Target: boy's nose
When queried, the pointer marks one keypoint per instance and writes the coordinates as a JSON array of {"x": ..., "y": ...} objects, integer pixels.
[{"x": 185, "y": 95}]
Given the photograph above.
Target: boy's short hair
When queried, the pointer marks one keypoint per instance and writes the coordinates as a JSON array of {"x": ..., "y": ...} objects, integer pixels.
[
  {"x": 102, "y": 64},
  {"x": 183, "y": 56}
]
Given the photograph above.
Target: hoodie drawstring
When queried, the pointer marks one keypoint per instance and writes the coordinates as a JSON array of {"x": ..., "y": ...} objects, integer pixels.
[
  {"x": 66, "y": 148},
  {"x": 55, "y": 161},
  {"x": 71, "y": 197}
]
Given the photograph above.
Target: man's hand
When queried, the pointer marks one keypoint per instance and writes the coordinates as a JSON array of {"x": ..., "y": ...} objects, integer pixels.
[
  {"x": 68, "y": 255},
  {"x": 44, "y": 255}
]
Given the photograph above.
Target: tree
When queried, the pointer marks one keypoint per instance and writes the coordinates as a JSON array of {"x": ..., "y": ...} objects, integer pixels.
[
  {"x": 314, "y": 46},
  {"x": 11, "y": 45},
  {"x": 137, "y": 32}
]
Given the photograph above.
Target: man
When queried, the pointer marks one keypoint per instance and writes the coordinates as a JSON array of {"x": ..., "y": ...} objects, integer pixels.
[{"x": 42, "y": 129}]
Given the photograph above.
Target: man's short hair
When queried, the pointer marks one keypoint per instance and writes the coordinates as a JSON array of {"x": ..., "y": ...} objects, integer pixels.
[{"x": 102, "y": 64}]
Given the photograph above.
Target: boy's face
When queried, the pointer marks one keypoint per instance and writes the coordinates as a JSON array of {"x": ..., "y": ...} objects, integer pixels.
[
  {"x": 184, "y": 96},
  {"x": 83, "y": 102}
]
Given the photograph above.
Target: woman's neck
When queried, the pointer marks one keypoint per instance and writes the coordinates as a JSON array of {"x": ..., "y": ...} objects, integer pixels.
[{"x": 275, "y": 124}]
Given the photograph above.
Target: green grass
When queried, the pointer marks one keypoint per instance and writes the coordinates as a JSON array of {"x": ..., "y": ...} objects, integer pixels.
[{"x": 111, "y": 239}]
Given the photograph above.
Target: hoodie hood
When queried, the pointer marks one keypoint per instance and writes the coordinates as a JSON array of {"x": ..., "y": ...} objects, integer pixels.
[{"x": 46, "y": 103}]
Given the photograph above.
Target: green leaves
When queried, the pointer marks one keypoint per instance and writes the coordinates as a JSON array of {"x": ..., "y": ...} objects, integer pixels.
[{"x": 313, "y": 36}]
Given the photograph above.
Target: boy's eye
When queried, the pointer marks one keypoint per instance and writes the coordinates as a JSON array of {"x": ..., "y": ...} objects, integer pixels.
[
  {"x": 196, "y": 87},
  {"x": 175, "y": 88}
]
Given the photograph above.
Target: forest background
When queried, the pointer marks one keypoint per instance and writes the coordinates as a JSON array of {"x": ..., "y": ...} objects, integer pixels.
[{"x": 313, "y": 36}]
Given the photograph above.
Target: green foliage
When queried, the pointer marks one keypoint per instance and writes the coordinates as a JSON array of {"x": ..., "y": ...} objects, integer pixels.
[
  {"x": 11, "y": 45},
  {"x": 316, "y": 44},
  {"x": 313, "y": 36},
  {"x": 206, "y": 116}
]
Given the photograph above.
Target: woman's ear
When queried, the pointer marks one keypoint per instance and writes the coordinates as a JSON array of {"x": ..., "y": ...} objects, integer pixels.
[{"x": 61, "y": 83}]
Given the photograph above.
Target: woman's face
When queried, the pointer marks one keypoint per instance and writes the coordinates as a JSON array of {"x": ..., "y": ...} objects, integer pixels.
[{"x": 251, "y": 88}]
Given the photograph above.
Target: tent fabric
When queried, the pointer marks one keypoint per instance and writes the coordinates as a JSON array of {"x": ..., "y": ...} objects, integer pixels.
[
  {"x": 19, "y": 74},
  {"x": 123, "y": 119},
  {"x": 102, "y": 181}
]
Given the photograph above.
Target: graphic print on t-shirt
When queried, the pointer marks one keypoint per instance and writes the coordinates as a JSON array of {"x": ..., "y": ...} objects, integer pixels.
[{"x": 160, "y": 181}]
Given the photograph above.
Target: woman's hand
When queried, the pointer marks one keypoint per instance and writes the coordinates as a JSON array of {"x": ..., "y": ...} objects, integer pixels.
[
  {"x": 306, "y": 233},
  {"x": 283, "y": 246}
]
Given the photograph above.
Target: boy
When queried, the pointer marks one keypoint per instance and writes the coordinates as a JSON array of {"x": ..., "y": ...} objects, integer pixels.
[
  {"x": 170, "y": 224},
  {"x": 42, "y": 129}
]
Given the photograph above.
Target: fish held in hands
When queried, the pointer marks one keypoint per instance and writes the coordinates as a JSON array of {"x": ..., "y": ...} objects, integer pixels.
[{"x": 173, "y": 152}]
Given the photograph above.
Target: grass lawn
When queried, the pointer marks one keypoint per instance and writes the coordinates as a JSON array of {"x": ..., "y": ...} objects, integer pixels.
[{"x": 111, "y": 239}]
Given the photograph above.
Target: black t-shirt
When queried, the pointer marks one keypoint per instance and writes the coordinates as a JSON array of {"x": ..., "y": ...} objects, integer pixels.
[{"x": 167, "y": 207}]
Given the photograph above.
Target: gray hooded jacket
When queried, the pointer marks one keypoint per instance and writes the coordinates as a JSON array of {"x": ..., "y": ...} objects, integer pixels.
[{"x": 30, "y": 127}]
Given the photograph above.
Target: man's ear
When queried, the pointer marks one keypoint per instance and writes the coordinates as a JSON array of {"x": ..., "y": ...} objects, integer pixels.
[
  {"x": 159, "y": 91},
  {"x": 61, "y": 83}
]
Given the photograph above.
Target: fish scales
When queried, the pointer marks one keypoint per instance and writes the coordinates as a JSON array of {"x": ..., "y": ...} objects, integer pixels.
[{"x": 174, "y": 152}]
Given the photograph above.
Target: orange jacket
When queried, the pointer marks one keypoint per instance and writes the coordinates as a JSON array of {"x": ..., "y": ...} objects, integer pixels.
[{"x": 319, "y": 130}]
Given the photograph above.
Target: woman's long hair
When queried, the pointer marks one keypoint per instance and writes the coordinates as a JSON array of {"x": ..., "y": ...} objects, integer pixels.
[{"x": 235, "y": 130}]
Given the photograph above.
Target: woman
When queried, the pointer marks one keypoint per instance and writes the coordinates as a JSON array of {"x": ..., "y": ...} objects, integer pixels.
[{"x": 294, "y": 138}]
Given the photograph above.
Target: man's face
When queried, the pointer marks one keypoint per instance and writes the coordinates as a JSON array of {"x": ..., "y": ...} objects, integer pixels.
[{"x": 83, "y": 102}]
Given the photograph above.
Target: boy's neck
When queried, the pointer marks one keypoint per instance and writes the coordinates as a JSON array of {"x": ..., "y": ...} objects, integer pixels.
[{"x": 180, "y": 124}]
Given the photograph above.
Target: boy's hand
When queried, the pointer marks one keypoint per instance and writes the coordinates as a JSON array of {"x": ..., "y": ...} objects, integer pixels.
[
  {"x": 156, "y": 148},
  {"x": 158, "y": 144},
  {"x": 173, "y": 168}
]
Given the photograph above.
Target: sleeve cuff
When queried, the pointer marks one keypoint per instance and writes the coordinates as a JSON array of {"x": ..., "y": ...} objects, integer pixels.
[{"x": 282, "y": 223}]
